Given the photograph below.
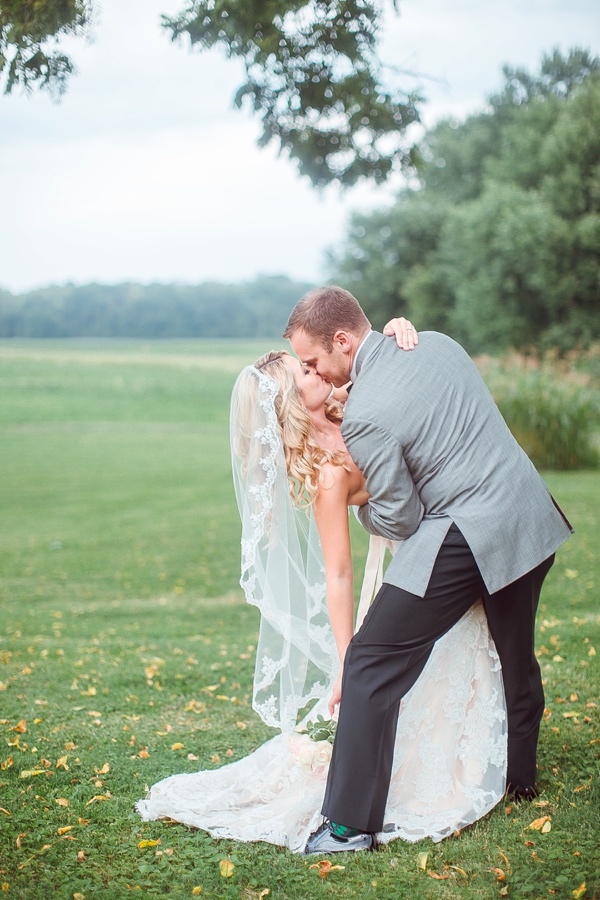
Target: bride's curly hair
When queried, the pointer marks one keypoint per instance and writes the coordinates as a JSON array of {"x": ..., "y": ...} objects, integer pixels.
[{"x": 304, "y": 457}]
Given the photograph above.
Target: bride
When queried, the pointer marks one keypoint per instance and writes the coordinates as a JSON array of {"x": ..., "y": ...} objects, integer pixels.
[{"x": 294, "y": 481}]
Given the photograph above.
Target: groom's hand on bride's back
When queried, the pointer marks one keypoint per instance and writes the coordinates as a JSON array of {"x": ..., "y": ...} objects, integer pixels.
[{"x": 404, "y": 332}]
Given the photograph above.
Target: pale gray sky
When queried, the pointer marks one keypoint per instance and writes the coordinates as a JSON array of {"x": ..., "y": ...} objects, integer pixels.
[{"x": 144, "y": 172}]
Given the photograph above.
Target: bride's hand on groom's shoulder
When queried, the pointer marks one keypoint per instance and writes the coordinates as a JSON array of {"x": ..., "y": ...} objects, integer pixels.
[
  {"x": 404, "y": 332},
  {"x": 336, "y": 695}
]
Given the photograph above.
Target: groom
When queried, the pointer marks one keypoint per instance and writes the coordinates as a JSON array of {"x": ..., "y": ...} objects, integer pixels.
[{"x": 446, "y": 477}]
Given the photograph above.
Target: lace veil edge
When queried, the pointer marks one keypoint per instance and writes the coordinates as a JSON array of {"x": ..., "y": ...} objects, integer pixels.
[{"x": 282, "y": 571}]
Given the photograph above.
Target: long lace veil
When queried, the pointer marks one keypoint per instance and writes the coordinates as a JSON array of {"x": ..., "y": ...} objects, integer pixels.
[{"x": 282, "y": 567}]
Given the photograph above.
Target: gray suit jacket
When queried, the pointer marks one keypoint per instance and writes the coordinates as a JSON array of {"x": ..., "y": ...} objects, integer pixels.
[{"x": 434, "y": 449}]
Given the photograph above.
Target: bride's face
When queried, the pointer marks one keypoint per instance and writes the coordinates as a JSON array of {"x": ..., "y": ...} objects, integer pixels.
[{"x": 314, "y": 389}]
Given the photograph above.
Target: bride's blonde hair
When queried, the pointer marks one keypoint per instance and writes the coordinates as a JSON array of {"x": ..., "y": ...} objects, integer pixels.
[{"x": 304, "y": 457}]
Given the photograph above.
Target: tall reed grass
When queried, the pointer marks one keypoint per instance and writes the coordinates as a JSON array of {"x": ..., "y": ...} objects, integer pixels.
[{"x": 551, "y": 405}]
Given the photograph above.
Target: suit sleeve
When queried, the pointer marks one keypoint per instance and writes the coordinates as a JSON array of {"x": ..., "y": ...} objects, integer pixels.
[{"x": 395, "y": 509}]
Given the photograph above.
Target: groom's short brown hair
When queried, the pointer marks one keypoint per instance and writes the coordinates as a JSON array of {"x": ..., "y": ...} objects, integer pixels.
[{"x": 325, "y": 310}]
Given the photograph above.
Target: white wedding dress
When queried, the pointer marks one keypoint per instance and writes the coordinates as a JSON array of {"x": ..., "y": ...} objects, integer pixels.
[{"x": 449, "y": 765}]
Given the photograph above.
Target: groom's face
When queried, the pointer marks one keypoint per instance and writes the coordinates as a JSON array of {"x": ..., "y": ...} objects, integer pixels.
[{"x": 334, "y": 365}]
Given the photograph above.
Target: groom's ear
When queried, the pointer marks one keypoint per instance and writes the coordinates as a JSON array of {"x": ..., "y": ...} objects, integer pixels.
[{"x": 342, "y": 340}]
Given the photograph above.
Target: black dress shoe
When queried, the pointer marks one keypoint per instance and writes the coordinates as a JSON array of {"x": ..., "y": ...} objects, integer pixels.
[{"x": 324, "y": 841}]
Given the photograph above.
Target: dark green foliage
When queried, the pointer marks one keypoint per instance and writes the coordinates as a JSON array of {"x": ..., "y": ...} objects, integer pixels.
[
  {"x": 257, "y": 309},
  {"x": 27, "y": 29},
  {"x": 499, "y": 242},
  {"x": 313, "y": 76}
]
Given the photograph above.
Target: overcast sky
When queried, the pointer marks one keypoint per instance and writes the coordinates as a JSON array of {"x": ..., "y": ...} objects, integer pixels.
[{"x": 144, "y": 172}]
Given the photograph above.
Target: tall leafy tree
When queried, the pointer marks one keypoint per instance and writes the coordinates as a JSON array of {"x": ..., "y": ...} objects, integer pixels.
[
  {"x": 499, "y": 241},
  {"x": 313, "y": 76},
  {"x": 30, "y": 31}
]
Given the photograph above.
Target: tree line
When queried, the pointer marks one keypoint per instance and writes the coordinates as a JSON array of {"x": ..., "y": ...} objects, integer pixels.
[
  {"x": 497, "y": 242},
  {"x": 254, "y": 309}
]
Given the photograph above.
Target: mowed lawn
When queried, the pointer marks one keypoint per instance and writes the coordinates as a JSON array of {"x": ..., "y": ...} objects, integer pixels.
[{"x": 127, "y": 650}]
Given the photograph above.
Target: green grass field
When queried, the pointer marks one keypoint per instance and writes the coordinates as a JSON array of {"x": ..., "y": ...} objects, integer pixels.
[{"x": 126, "y": 649}]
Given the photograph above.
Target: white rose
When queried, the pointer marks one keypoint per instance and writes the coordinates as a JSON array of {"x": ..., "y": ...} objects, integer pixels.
[
  {"x": 302, "y": 748},
  {"x": 323, "y": 751}
]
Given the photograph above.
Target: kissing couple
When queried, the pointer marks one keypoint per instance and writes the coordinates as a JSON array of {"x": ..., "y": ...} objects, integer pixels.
[{"x": 437, "y": 689}]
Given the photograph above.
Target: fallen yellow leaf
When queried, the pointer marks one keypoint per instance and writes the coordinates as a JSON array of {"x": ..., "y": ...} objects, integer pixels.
[
  {"x": 500, "y": 874},
  {"x": 578, "y": 892},
  {"x": 78, "y": 896},
  {"x": 103, "y": 771},
  {"x": 226, "y": 868},
  {"x": 324, "y": 867},
  {"x": 64, "y": 830},
  {"x": 547, "y": 826},
  {"x": 177, "y": 746},
  {"x": 61, "y": 763},
  {"x": 438, "y": 877},
  {"x": 7, "y": 764},
  {"x": 97, "y": 797},
  {"x": 143, "y": 844},
  {"x": 196, "y": 891},
  {"x": 505, "y": 858},
  {"x": 29, "y": 773},
  {"x": 20, "y": 727},
  {"x": 62, "y": 801},
  {"x": 422, "y": 860},
  {"x": 538, "y": 824},
  {"x": 458, "y": 869},
  {"x": 5, "y": 811},
  {"x": 143, "y": 754}
]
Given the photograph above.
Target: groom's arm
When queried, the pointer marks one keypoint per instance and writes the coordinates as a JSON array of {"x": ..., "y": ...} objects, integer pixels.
[{"x": 394, "y": 509}]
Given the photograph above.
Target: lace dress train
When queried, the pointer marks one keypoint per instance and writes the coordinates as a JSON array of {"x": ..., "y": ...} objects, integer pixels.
[{"x": 449, "y": 763}]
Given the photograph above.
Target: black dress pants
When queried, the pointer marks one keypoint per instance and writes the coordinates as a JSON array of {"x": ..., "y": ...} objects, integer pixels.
[{"x": 389, "y": 652}]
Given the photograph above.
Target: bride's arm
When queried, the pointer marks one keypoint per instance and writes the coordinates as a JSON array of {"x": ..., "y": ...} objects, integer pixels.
[{"x": 331, "y": 516}]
